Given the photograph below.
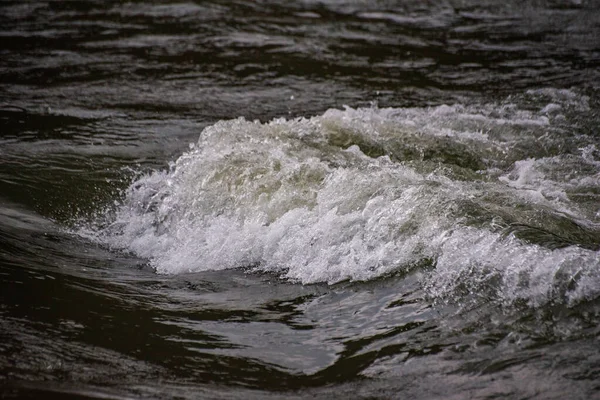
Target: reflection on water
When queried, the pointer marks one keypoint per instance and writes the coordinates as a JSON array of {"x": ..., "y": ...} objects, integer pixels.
[{"x": 458, "y": 194}]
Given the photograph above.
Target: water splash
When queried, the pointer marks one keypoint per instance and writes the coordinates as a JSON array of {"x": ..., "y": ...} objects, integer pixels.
[{"x": 481, "y": 193}]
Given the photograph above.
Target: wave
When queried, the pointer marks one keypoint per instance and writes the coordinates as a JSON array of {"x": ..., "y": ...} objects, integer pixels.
[{"x": 495, "y": 196}]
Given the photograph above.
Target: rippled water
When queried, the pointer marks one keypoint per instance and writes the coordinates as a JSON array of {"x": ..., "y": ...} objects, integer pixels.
[{"x": 230, "y": 199}]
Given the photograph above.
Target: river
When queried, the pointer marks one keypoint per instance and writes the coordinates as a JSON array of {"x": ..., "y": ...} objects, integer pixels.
[{"x": 307, "y": 199}]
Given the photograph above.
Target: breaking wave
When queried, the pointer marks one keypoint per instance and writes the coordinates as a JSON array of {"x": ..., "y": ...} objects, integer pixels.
[{"x": 496, "y": 198}]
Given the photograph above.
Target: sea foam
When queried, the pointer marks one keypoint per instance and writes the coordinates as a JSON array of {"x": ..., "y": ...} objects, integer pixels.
[{"x": 356, "y": 194}]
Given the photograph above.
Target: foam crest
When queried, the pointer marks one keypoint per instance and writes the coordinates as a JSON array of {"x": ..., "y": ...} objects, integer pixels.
[
  {"x": 488, "y": 265},
  {"x": 360, "y": 193}
]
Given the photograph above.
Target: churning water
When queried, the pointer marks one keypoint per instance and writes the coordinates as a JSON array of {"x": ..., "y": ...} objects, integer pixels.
[{"x": 231, "y": 199}]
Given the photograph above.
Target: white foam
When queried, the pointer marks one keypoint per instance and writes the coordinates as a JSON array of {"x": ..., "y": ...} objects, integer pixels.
[
  {"x": 553, "y": 181},
  {"x": 352, "y": 195},
  {"x": 490, "y": 265}
]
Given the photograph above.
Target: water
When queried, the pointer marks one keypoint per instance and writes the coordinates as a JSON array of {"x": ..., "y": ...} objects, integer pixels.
[{"x": 325, "y": 199}]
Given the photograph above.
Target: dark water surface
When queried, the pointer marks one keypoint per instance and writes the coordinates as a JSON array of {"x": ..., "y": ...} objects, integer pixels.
[{"x": 409, "y": 206}]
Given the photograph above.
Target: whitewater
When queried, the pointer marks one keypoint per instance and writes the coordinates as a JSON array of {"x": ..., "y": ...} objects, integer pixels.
[{"x": 477, "y": 199}]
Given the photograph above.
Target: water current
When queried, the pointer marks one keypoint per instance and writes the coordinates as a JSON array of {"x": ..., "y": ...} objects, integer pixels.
[{"x": 307, "y": 199}]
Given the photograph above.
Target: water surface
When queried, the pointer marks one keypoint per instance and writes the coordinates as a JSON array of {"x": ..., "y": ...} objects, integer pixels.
[{"x": 230, "y": 199}]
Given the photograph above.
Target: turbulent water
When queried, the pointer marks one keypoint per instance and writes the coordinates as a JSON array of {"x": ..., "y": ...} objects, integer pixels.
[{"x": 331, "y": 199}]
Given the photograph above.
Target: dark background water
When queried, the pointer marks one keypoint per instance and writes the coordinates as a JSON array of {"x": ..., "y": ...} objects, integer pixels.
[{"x": 94, "y": 92}]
